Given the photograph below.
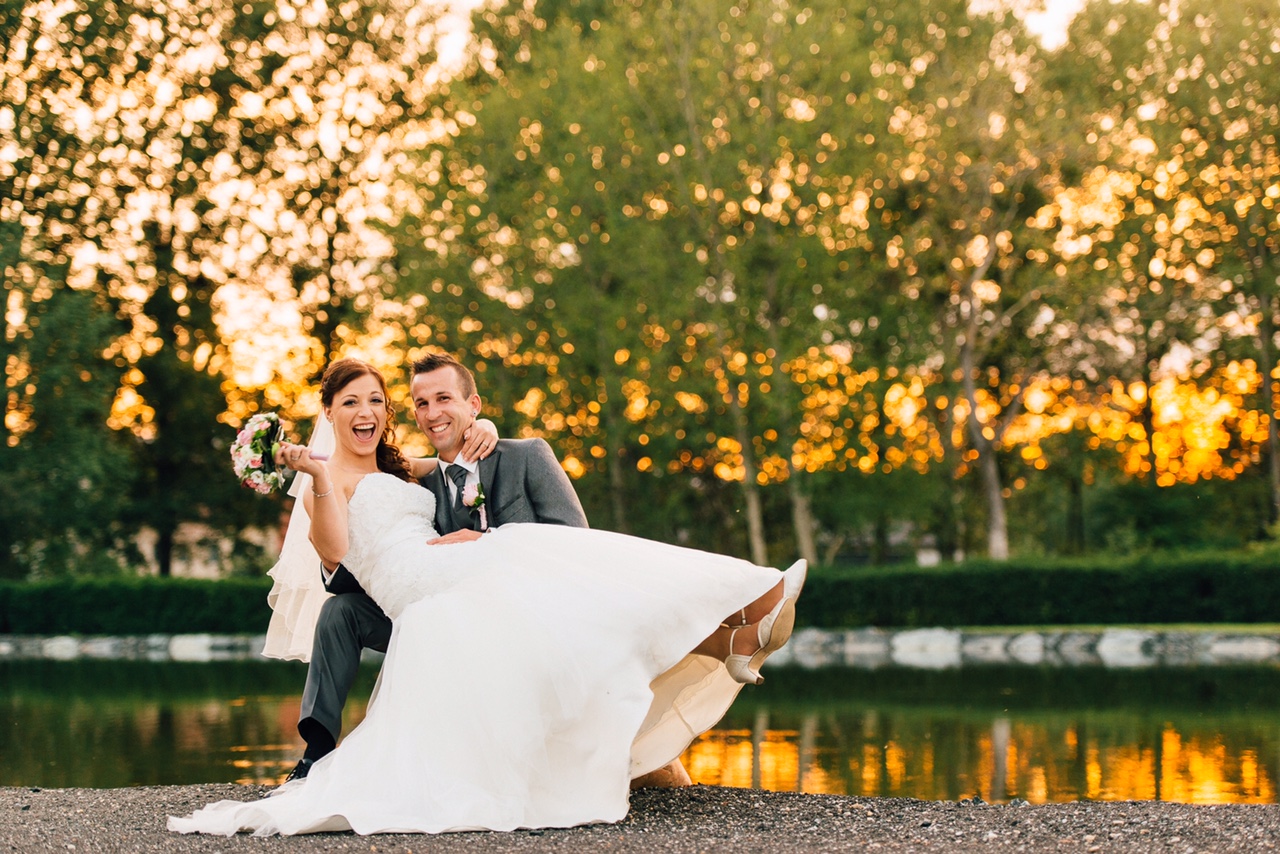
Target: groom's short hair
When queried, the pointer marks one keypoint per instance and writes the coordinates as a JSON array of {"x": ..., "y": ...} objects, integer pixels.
[{"x": 435, "y": 361}]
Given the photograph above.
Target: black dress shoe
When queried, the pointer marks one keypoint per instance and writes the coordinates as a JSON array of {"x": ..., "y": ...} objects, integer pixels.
[{"x": 302, "y": 769}]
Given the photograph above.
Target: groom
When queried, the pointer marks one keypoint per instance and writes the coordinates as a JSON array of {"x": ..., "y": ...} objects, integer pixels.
[{"x": 521, "y": 481}]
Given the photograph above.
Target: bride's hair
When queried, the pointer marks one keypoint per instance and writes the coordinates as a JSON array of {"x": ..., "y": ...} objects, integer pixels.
[{"x": 336, "y": 377}]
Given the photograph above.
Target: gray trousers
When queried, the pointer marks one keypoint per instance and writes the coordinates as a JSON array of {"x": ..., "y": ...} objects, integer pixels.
[{"x": 348, "y": 623}]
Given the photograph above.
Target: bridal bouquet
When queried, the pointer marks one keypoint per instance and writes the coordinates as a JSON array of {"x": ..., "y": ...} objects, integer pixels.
[{"x": 253, "y": 453}]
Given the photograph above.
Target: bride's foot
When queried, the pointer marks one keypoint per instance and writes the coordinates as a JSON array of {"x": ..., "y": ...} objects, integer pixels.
[
  {"x": 747, "y": 654},
  {"x": 670, "y": 776}
]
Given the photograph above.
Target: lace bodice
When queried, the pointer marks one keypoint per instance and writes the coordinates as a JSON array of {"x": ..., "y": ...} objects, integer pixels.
[{"x": 389, "y": 522}]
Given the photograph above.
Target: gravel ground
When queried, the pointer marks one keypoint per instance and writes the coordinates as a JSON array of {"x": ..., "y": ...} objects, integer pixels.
[{"x": 696, "y": 819}]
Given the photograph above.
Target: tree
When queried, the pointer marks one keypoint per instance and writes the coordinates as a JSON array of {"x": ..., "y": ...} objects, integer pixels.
[
  {"x": 968, "y": 303},
  {"x": 621, "y": 185},
  {"x": 189, "y": 163},
  {"x": 63, "y": 472},
  {"x": 63, "y": 469},
  {"x": 1177, "y": 121}
]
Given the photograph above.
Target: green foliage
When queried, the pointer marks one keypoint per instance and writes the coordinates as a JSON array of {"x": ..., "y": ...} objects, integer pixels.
[
  {"x": 61, "y": 484},
  {"x": 97, "y": 682},
  {"x": 643, "y": 223},
  {"x": 182, "y": 467},
  {"x": 1060, "y": 514},
  {"x": 134, "y": 606},
  {"x": 630, "y": 186},
  {"x": 1194, "y": 588},
  {"x": 1018, "y": 688},
  {"x": 160, "y": 165}
]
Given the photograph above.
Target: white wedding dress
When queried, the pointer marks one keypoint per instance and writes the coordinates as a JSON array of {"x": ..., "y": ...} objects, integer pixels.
[{"x": 530, "y": 676}]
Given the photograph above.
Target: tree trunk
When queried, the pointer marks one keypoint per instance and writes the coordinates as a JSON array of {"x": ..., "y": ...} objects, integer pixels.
[
  {"x": 750, "y": 486},
  {"x": 880, "y": 546},
  {"x": 164, "y": 551},
  {"x": 787, "y": 411},
  {"x": 612, "y": 424},
  {"x": 997, "y": 524},
  {"x": 1267, "y": 367},
  {"x": 1075, "y": 539},
  {"x": 1148, "y": 418},
  {"x": 960, "y": 526},
  {"x": 832, "y": 550},
  {"x": 802, "y": 519},
  {"x": 617, "y": 483}
]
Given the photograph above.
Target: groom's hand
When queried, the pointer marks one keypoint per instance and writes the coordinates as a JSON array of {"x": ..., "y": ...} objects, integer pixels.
[{"x": 463, "y": 536}]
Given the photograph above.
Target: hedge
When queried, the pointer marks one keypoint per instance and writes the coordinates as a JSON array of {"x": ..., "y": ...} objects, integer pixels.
[
  {"x": 1196, "y": 588},
  {"x": 134, "y": 606}
]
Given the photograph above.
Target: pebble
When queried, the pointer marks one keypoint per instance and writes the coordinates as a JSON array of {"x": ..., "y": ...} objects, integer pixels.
[{"x": 694, "y": 819}]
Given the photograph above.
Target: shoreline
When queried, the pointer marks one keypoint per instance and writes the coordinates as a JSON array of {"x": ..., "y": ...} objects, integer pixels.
[
  {"x": 693, "y": 819},
  {"x": 1113, "y": 647}
]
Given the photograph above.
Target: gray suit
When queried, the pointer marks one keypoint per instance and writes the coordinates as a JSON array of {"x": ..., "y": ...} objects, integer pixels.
[{"x": 523, "y": 482}]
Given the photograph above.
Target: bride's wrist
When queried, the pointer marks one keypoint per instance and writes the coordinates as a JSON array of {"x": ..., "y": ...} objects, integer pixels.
[{"x": 321, "y": 485}]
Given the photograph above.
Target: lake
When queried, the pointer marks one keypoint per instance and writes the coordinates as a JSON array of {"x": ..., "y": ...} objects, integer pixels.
[{"x": 1195, "y": 735}]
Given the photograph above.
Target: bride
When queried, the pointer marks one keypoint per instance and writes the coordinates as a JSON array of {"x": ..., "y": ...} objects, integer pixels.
[{"x": 531, "y": 674}]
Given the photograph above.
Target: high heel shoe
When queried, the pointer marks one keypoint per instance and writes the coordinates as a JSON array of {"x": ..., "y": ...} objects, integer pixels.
[
  {"x": 793, "y": 578},
  {"x": 773, "y": 631}
]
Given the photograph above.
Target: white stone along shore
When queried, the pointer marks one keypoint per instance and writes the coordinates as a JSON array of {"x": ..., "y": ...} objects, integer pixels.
[{"x": 869, "y": 648}]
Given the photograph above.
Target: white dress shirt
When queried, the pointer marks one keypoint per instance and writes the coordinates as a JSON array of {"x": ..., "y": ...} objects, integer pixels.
[{"x": 473, "y": 475}]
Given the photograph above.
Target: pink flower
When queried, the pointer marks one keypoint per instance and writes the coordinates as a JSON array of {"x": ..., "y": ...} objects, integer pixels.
[
  {"x": 250, "y": 454},
  {"x": 471, "y": 495}
]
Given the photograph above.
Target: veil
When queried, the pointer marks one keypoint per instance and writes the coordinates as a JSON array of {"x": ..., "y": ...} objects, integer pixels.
[{"x": 297, "y": 592}]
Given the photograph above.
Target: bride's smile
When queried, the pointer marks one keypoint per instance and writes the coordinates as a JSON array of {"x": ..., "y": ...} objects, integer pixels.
[{"x": 360, "y": 415}]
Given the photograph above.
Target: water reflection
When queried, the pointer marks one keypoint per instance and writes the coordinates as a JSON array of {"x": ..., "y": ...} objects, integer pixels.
[
  {"x": 1198, "y": 736},
  {"x": 125, "y": 723},
  {"x": 1043, "y": 759}
]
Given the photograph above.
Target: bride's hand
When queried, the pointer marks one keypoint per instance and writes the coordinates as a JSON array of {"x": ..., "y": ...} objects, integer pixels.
[
  {"x": 299, "y": 458},
  {"x": 479, "y": 440}
]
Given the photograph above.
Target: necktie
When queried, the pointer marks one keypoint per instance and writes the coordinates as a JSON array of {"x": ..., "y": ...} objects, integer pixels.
[{"x": 461, "y": 515}]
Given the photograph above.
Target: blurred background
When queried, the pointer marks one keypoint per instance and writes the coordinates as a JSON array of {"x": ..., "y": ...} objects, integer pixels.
[{"x": 867, "y": 283}]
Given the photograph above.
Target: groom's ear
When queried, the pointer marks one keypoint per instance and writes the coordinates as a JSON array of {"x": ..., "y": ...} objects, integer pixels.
[{"x": 474, "y": 400}]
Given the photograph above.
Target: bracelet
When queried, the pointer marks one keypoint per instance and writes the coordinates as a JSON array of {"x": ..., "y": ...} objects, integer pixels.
[{"x": 321, "y": 494}]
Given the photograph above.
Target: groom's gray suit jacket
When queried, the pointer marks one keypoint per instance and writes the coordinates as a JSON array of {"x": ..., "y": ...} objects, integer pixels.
[{"x": 523, "y": 482}]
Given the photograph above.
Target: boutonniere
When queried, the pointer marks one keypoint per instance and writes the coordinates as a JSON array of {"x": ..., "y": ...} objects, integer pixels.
[{"x": 473, "y": 500}]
